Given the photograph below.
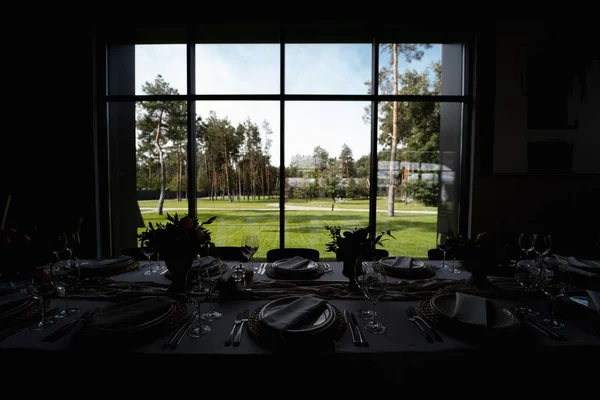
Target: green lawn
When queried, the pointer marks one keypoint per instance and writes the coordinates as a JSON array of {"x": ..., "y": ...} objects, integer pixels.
[{"x": 415, "y": 233}]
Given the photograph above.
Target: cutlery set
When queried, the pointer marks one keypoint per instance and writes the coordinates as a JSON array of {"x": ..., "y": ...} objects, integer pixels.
[
  {"x": 429, "y": 333},
  {"x": 25, "y": 324},
  {"x": 262, "y": 269},
  {"x": 357, "y": 336},
  {"x": 176, "y": 339},
  {"x": 239, "y": 321}
]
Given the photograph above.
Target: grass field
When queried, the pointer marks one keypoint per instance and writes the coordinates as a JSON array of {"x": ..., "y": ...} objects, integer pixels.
[{"x": 414, "y": 233}]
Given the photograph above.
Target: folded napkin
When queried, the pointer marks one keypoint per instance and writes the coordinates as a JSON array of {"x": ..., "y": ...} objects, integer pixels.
[
  {"x": 295, "y": 312},
  {"x": 471, "y": 309},
  {"x": 402, "y": 262},
  {"x": 8, "y": 301},
  {"x": 106, "y": 263},
  {"x": 594, "y": 302},
  {"x": 586, "y": 265},
  {"x": 204, "y": 262},
  {"x": 296, "y": 262},
  {"x": 130, "y": 314}
]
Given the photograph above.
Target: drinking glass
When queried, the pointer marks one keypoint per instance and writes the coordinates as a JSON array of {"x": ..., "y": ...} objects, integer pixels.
[
  {"x": 374, "y": 285},
  {"x": 197, "y": 294},
  {"x": 359, "y": 268},
  {"x": 554, "y": 283},
  {"x": 249, "y": 248},
  {"x": 148, "y": 251},
  {"x": 41, "y": 288},
  {"x": 542, "y": 245},
  {"x": 527, "y": 273},
  {"x": 526, "y": 243},
  {"x": 441, "y": 245},
  {"x": 66, "y": 274},
  {"x": 209, "y": 277}
]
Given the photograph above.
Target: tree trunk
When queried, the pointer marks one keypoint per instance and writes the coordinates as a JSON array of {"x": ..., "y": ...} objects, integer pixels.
[
  {"x": 178, "y": 174},
  {"x": 239, "y": 174},
  {"x": 392, "y": 186},
  {"x": 180, "y": 188},
  {"x": 226, "y": 168},
  {"x": 268, "y": 178},
  {"x": 163, "y": 169}
]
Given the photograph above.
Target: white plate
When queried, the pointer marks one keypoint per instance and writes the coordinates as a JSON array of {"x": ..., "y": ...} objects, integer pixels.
[
  {"x": 310, "y": 267},
  {"x": 314, "y": 325},
  {"x": 445, "y": 303},
  {"x": 416, "y": 264}
]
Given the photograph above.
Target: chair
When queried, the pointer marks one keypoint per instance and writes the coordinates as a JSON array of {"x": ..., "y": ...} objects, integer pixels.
[
  {"x": 227, "y": 253},
  {"x": 278, "y": 254},
  {"x": 381, "y": 253}
]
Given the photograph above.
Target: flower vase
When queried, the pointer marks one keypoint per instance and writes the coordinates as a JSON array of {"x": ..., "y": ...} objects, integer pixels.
[
  {"x": 178, "y": 268},
  {"x": 349, "y": 261}
]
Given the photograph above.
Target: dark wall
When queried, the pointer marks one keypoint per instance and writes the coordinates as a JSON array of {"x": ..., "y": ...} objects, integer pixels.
[
  {"x": 506, "y": 198},
  {"x": 46, "y": 161}
]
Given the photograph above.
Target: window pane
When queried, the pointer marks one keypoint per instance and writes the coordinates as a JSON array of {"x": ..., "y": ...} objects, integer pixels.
[
  {"x": 327, "y": 68},
  {"x": 421, "y": 69},
  {"x": 420, "y": 172},
  {"x": 157, "y": 196},
  {"x": 327, "y": 146},
  {"x": 165, "y": 60},
  {"x": 238, "y": 174},
  {"x": 237, "y": 68}
]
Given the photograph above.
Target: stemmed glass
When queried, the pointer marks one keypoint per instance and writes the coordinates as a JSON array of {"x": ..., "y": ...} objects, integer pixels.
[
  {"x": 374, "y": 285},
  {"x": 542, "y": 245},
  {"x": 40, "y": 290},
  {"x": 553, "y": 286},
  {"x": 527, "y": 274},
  {"x": 209, "y": 277},
  {"x": 249, "y": 247},
  {"x": 148, "y": 251},
  {"x": 526, "y": 243},
  {"x": 66, "y": 273},
  {"x": 359, "y": 268},
  {"x": 197, "y": 294},
  {"x": 441, "y": 240}
]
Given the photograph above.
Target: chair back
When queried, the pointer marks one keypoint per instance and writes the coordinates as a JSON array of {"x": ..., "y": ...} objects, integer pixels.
[{"x": 227, "y": 253}]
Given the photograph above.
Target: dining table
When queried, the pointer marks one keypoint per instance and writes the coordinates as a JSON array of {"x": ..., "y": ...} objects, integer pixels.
[{"x": 401, "y": 355}]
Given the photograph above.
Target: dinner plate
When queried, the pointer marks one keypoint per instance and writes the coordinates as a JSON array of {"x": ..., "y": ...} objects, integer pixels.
[
  {"x": 389, "y": 261},
  {"x": 128, "y": 320},
  {"x": 310, "y": 267},
  {"x": 580, "y": 299},
  {"x": 312, "y": 325},
  {"x": 504, "y": 319}
]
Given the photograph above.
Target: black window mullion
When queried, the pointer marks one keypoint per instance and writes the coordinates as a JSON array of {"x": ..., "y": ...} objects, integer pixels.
[
  {"x": 282, "y": 139},
  {"x": 373, "y": 161},
  {"x": 191, "y": 127}
]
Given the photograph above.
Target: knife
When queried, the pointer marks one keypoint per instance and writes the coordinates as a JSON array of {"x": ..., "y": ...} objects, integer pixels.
[
  {"x": 348, "y": 319},
  {"x": 183, "y": 327},
  {"x": 360, "y": 336},
  {"x": 185, "y": 331}
]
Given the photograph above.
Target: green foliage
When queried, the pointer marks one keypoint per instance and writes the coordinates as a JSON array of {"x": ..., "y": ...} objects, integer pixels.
[
  {"x": 359, "y": 241},
  {"x": 426, "y": 192},
  {"x": 184, "y": 237}
]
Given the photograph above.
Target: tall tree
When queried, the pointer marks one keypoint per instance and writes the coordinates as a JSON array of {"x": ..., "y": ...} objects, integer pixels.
[
  {"x": 158, "y": 120},
  {"x": 347, "y": 161}
]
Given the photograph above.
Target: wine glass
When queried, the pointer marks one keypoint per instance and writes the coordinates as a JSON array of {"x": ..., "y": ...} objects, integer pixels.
[
  {"x": 40, "y": 288},
  {"x": 374, "y": 285},
  {"x": 249, "y": 247},
  {"x": 209, "y": 277},
  {"x": 527, "y": 273},
  {"x": 66, "y": 273},
  {"x": 542, "y": 245},
  {"x": 526, "y": 242},
  {"x": 148, "y": 251},
  {"x": 197, "y": 294},
  {"x": 364, "y": 313},
  {"x": 441, "y": 240},
  {"x": 553, "y": 285}
]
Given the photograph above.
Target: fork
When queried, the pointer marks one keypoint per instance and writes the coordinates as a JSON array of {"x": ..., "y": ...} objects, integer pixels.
[
  {"x": 263, "y": 268},
  {"x": 238, "y": 336},
  {"x": 236, "y": 322},
  {"x": 432, "y": 331},
  {"x": 412, "y": 319},
  {"x": 327, "y": 267},
  {"x": 63, "y": 330}
]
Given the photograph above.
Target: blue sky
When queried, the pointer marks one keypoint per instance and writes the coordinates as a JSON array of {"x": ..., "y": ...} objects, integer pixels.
[{"x": 254, "y": 69}]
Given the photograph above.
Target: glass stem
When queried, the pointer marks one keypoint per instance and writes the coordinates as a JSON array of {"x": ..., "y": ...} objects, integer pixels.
[
  {"x": 66, "y": 299},
  {"x": 43, "y": 312}
]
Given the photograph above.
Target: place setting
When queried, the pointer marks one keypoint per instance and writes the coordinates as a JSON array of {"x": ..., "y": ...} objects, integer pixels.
[
  {"x": 296, "y": 268},
  {"x": 406, "y": 267},
  {"x": 296, "y": 323},
  {"x": 469, "y": 316}
]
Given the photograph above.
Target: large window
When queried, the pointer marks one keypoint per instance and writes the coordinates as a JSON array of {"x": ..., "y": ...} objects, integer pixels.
[{"x": 280, "y": 137}]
